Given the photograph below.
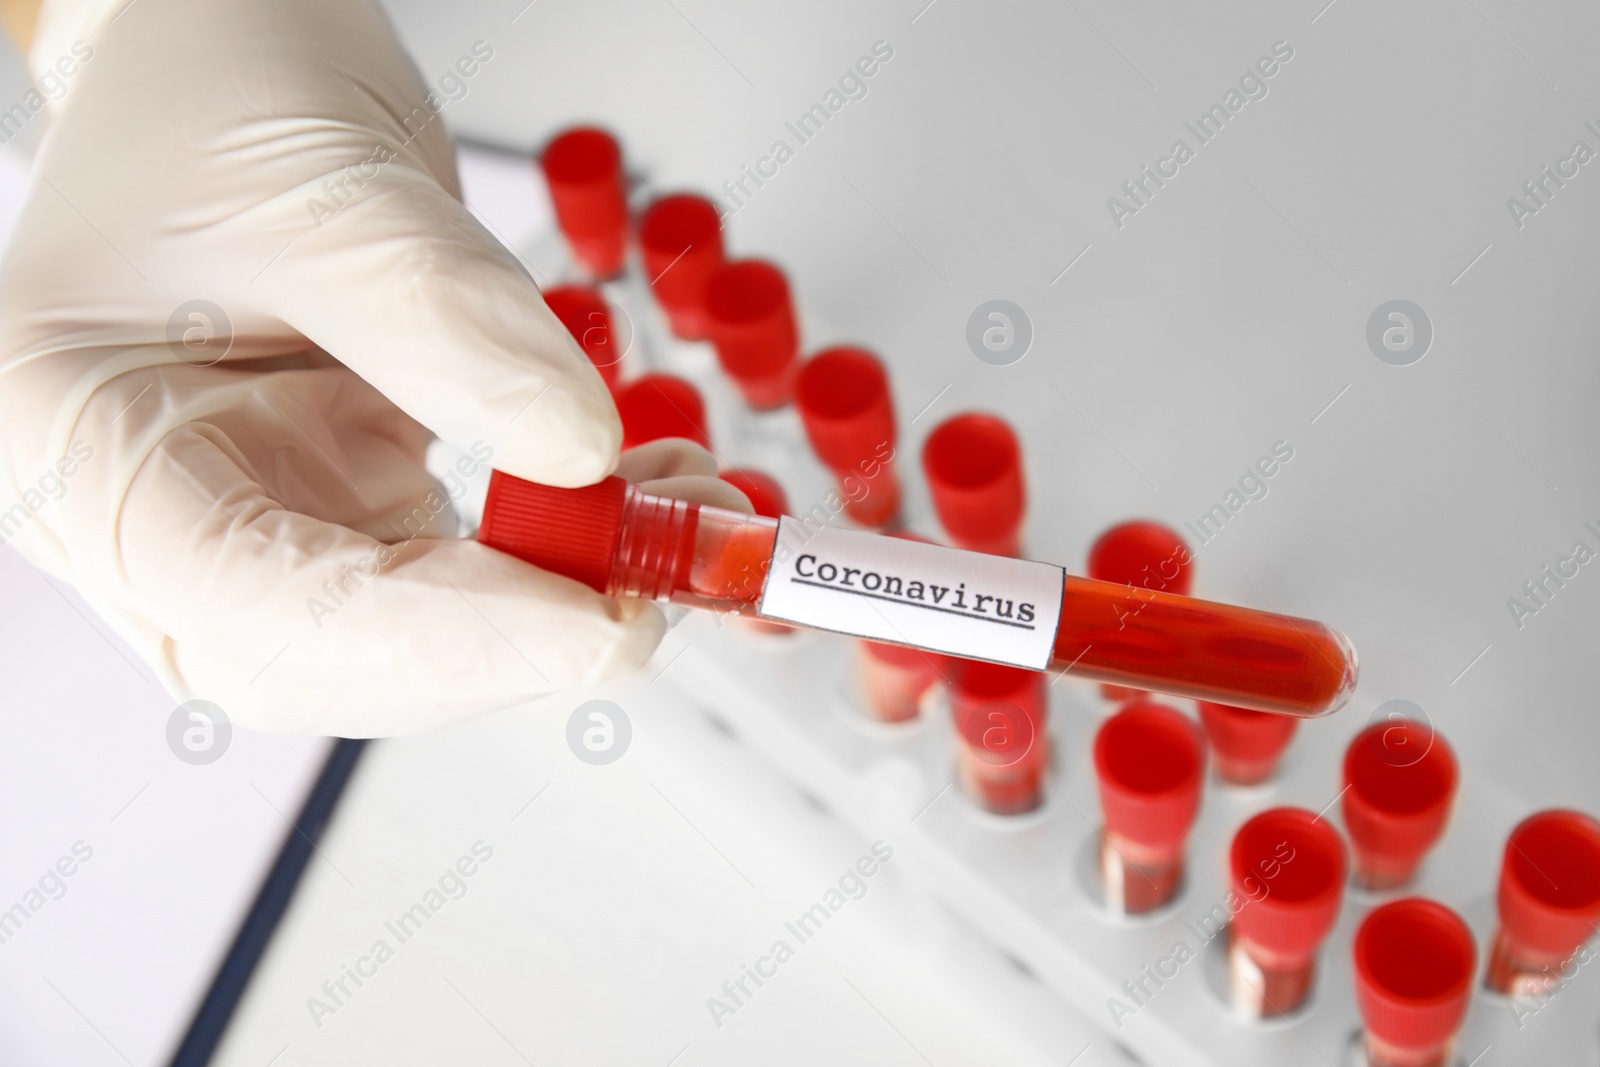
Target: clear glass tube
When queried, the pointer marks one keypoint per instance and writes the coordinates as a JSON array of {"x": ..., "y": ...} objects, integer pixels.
[{"x": 1125, "y": 635}]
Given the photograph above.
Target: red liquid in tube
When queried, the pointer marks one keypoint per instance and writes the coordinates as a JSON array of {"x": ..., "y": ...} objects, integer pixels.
[
  {"x": 766, "y": 495},
  {"x": 1144, "y": 554},
  {"x": 623, "y": 542}
]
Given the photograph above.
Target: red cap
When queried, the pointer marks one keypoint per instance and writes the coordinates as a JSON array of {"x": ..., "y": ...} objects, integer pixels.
[
  {"x": 1245, "y": 745},
  {"x": 1415, "y": 961},
  {"x": 762, "y": 490},
  {"x": 1550, "y": 884},
  {"x": 572, "y": 532},
  {"x": 974, "y": 469},
  {"x": 681, "y": 239},
  {"x": 584, "y": 313},
  {"x": 1288, "y": 866},
  {"x": 998, "y": 710},
  {"x": 843, "y": 396},
  {"x": 1149, "y": 763},
  {"x": 751, "y": 321},
  {"x": 1142, "y": 553},
  {"x": 654, "y": 406},
  {"x": 583, "y": 167},
  {"x": 1400, "y": 782}
]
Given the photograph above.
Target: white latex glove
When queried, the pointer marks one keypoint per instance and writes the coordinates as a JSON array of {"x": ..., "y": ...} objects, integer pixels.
[{"x": 203, "y": 510}]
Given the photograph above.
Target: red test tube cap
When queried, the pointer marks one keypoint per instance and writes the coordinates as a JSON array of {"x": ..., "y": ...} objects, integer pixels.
[
  {"x": 1399, "y": 784},
  {"x": 1414, "y": 964},
  {"x": 571, "y": 532},
  {"x": 1149, "y": 763},
  {"x": 1289, "y": 864},
  {"x": 583, "y": 168},
  {"x": 974, "y": 468},
  {"x": 1003, "y": 753},
  {"x": 977, "y": 684},
  {"x": 844, "y": 402},
  {"x": 654, "y": 406},
  {"x": 680, "y": 238},
  {"x": 1142, "y": 553},
  {"x": 762, "y": 490},
  {"x": 1245, "y": 745},
  {"x": 750, "y": 318},
  {"x": 1001, "y": 733},
  {"x": 1549, "y": 893},
  {"x": 584, "y": 313},
  {"x": 843, "y": 397}
]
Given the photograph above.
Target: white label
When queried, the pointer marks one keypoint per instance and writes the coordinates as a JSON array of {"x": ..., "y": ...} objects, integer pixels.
[{"x": 907, "y": 592}]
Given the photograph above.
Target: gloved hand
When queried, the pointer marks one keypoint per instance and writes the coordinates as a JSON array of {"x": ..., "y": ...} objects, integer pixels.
[{"x": 205, "y": 507}]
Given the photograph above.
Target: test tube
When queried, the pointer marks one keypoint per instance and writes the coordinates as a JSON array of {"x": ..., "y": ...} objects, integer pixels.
[
  {"x": 1288, "y": 875},
  {"x": 974, "y": 468},
  {"x": 1245, "y": 745},
  {"x": 1149, "y": 764},
  {"x": 1549, "y": 901},
  {"x": 750, "y": 318},
  {"x": 584, "y": 313},
  {"x": 1145, "y": 555},
  {"x": 628, "y": 543},
  {"x": 583, "y": 168},
  {"x": 1399, "y": 785},
  {"x": 1414, "y": 961},
  {"x": 1002, "y": 744},
  {"x": 767, "y": 497},
  {"x": 844, "y": 402},
  {"x": 654, "y": 406},
  {"x": 680, "y": 238}
]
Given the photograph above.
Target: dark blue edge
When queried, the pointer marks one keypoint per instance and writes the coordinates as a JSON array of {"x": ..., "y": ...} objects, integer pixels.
[{"x": 272, "y": 901}]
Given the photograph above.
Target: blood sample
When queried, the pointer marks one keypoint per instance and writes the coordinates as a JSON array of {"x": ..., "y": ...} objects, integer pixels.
[
  {"x": 624, "y": 542},
  {"x": 583, "y": 168},
  {"x": 751, "y": 322},
  {"x": 680, "y": 238},
  {"x": 584, "y": 313},
  {"x": 1549, "y": 901},
  {"x": 654, "y": 406},
  {"x": 1414, "y": 961},
  {"x": 1399, "y": 784},
  {"x": 769, "y": 499},
  {"x": 1245, "y": 745},
  {"x": 1145, "y": 555},
  {"x": 1002, "y": 742},
  {"x": 1288, "y": 868},
  {"x": 844, "y": 402},
  {"x": 974, "y": 469},
  {"x": 1149, "y": 763}
]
